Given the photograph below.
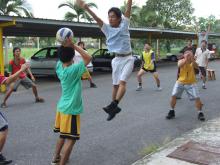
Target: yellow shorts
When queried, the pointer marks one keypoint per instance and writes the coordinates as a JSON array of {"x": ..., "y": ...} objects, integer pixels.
[
  {"x": 86, "y": 75},
  {"x": 67, "y": 125}
]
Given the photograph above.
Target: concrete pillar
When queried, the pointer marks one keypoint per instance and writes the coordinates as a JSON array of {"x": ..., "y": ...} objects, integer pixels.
[{"x": 158, "y": 49}]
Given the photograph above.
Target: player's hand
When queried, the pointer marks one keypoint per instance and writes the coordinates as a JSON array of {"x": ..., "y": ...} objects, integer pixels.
[
  {"x": 25, "y": 66},
  {"x": 68, "y": 43},
  {"x": 81, "y": 3}
]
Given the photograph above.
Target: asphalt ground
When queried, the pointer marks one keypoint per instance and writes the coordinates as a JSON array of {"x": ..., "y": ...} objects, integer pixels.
[{"x": 141, "y": 123}]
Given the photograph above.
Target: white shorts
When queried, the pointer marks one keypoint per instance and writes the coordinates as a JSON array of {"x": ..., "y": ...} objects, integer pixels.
[
  {"x": 191, "y": 90},
  {"x": 122, "y": 68}
]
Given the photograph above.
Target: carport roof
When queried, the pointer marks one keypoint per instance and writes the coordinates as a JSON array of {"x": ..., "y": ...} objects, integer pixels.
[{"x": 47, "y": 28}]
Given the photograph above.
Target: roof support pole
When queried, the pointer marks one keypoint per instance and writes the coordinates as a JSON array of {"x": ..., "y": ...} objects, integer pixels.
[
  {"x": 158, "y": 49},
  {"x": 2, "y": 66},
  {"x": 149, "y": 38},
  {"x": 2, "y": 87},
  {"x": 100, "y": 43}
]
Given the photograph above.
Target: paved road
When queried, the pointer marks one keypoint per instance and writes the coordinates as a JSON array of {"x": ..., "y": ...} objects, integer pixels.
[{"x": 119, "y": 142}]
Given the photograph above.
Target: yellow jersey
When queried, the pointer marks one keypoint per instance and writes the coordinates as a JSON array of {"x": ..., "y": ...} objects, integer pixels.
[
  {"x": 147, "y": 58},
  {"x": 186, "y": 74}
]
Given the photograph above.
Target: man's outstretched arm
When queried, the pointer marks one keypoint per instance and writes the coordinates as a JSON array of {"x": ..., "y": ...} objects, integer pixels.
[
  {"x": 128, "y": 9},
  {"x": 83, "y": 5}
]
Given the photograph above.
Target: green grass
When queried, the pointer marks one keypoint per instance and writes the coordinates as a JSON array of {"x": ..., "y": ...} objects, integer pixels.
[
  {"x": 28, "y": 52},
  {"x": 150, "y": 149}
]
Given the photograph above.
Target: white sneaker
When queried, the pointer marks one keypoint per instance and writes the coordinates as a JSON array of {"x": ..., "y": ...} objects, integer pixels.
[
  {"x": 139, "y": 88},
  {"x": 159, "y": 88}
]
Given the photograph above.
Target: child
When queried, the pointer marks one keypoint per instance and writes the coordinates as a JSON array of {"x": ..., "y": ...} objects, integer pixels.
[
  {"x": 70, "y": 105},
  {"x": 78, "y": 58},
  {"x": 3, "y": 121},
  {"x": 118, "y": 43},
  {"x": 14, "y": 66},
  {"x": 186, "y": 81},
  {"x": 149, "y": 65}
]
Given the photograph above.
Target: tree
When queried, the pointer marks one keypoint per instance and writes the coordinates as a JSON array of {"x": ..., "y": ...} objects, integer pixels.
[
  {"x": 15, "y": 7},
  {"x": 169, "y": 13},
  {"x": 76, "y": 13},
  {"x": 202, "y": 23}
]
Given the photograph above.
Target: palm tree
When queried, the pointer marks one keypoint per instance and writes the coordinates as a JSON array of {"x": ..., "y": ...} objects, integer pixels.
[
  {"x": 15, "y": 7},
  {"x": 77, "y": 13}
]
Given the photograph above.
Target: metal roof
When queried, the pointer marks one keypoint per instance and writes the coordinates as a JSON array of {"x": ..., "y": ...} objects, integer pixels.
[{"x": 37, "y": 27}]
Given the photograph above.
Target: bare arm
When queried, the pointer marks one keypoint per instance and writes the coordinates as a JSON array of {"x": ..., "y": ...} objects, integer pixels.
[
  {"x": 13, "y": 77},
  {"x": 206, "y": 62},
  {"x": 86, "y": 57},
  {"x": 83, "y": 5},
  {"x": 195, "y": 65},
  {"x": 209, "y": 28},
  {"x": 128, "y": 9}
]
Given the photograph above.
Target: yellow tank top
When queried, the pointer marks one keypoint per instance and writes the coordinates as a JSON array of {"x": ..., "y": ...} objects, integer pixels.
[
  {"x": 187, "y": 74},
  {"x": 147, "y": 57}
]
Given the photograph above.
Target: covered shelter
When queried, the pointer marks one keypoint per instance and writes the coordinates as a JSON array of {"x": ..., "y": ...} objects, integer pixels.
[{"x": 35, "y": 27}]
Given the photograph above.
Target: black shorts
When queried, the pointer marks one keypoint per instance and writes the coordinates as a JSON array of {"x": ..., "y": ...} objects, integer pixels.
[
  {"x": 151, "y": 71},
  {"x": 203, "y": 71}
]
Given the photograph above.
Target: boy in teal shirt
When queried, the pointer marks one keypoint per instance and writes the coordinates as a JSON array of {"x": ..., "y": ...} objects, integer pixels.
[{"x": 70, "y": 105}]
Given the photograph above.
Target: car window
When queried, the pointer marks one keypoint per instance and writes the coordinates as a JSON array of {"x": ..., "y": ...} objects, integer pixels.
[
  {"x": 53, "y": 53},
  {"x": 98, "y": 53},
  {"x": 41, "y": 54}
]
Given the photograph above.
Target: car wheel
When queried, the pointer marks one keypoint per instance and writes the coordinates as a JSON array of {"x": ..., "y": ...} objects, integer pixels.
[{"x": 173, "y": 58}]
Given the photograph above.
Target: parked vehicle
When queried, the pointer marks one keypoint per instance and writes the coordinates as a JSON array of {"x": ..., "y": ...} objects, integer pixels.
[
  {"x": 102, "y": 60},
  {"x": 43, "y": 62}
]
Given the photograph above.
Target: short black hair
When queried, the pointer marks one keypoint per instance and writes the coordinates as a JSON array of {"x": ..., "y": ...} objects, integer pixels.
[
  {"x": 204, "y": 41},
  {"x": 66, "y": 54},
  {"x": 148, "y": 43},
  {"x": 16, "y": 48},
  {"x": 115, "y": 10}
]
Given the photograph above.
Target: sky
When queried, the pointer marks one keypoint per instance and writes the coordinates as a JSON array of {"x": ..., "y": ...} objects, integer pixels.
[{"x": 41, "y": 9}]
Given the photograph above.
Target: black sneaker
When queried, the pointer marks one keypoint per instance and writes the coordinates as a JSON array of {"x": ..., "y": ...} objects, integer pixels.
[
  {"x": 108, "y": 109},
  {"x": 201, "y": 116},
  {"x": 170, "y": 115},
  {"x": 92, "y": 85},
  {"x": 113, "y": 113},
  {"x": 4, "y": 161}
]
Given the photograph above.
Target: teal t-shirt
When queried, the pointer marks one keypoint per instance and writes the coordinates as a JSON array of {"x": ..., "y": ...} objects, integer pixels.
[{"x": 70, "y": 78}]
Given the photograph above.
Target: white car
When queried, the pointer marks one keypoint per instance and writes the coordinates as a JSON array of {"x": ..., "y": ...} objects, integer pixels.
[{"x": 43, "y": 62}]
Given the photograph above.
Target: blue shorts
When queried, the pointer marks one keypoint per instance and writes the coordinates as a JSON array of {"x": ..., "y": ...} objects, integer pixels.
[
  {"x": 191, "y": 90},
  {"x": 3, "y": 123}
]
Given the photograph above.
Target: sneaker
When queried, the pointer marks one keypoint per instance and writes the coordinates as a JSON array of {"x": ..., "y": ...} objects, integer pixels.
[
  {"x": 3, "y": 160},
  {"x": 112, "y": 114},
  {"x": 56, "y": 161},
  {"x": 159, "y": 89},
  {"x": 3, "y": 105},
  {"x": 39, "y": 100},
  {"x": 139, "y": 88},
  {"x": 92, "y": 85},
  {"x": 204, "y": 87},
  {"x": 170, "y": 115},
  {"x": 201, "y": 116},
  {"x": 108, "y": 109}
]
